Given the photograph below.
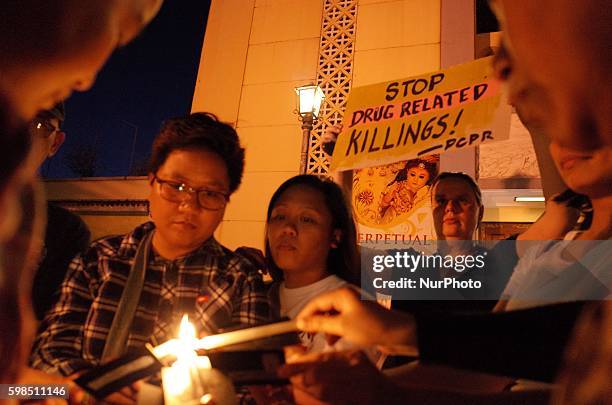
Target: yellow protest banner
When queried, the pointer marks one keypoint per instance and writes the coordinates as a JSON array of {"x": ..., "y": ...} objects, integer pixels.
[{"x": 432, "y": 113}]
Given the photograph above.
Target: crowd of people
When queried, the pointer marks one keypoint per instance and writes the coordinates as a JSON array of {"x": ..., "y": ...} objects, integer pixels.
[{"x": 122, "y": 292}]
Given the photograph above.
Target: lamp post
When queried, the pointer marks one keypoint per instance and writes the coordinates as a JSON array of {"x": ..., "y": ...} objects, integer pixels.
[{"x": 309, "y": 99}]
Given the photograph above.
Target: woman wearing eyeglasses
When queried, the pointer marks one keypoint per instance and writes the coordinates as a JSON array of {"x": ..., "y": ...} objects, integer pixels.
[{"x": 196, "y": 164}]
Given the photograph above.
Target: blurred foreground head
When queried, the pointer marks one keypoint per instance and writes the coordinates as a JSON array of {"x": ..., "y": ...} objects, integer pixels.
[
  {"x": 19, "y": 257},
  {"x": 557, "y": 60},
  {"x": 48, "y": 49},
  {"x": 51, "y": 48},
  {"x": 559, "y": 63}
]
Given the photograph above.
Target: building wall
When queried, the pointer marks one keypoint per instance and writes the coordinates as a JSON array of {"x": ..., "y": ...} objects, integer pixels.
[
  {"x": 396, "y": 39},
  {"x": 256, "y": 51},
  {"x": 119, "y": 202},
  {"x": 254, "y": 54}
]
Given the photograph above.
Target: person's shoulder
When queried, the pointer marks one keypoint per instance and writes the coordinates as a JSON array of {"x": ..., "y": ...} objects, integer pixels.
[
  {"x": 482, "y": 249},
  {"x": 55, "y": 211},
  {"x": 105, "y": 246},
  {"x": 240, "y": 261},
  {"x": 61, "y": 220},
  {"x": 337, "y": 282},
  {"x": 273, "y": 291},
  {"x": 236, "y": 262},
  {"x": 124, "y": 245},
  {"x": 496, "y": 254}
]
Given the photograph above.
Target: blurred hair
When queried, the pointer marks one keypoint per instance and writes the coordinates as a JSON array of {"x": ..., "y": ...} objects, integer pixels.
[
  {"x": 460, "y": 176},
  {"x": 58, "y": 112},
  {"x": 200, "y": 131},
  {"x": 33, "y": 31},
  {"x": 342, "y": 261}
]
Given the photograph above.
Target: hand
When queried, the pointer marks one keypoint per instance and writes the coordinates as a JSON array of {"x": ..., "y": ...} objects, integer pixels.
[
  {"x": 125, "y": 396},
  {"x": 331, "y": 133},
  {"x": 389, "y": 195},
  {"x": 336, "y": 377},
  {"x": 32, "y": 376},
  {"x": 329, "y": 138},
  {"x": 255, "y": 256},
  {"x": 272, "y": 394},
  {"x": 342, "y": 313}
]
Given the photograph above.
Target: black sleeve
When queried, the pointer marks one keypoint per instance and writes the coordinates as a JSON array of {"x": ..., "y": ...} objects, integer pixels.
[
  {"x": 328, "y": 147},
  {"x": 66, "y": 236},
  {"x": 501, "y": 261},
  {"x": 527, "y": 343}
]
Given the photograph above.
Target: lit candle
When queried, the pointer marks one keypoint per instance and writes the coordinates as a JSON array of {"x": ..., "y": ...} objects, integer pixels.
[
  {"x": 190, "y": 379},
  {"x": 245, "y": 335},
  {"x": 172, "y": 346}
]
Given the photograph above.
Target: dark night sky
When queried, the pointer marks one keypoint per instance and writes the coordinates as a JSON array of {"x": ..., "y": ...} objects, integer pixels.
[{"x": 149, "y": 80}]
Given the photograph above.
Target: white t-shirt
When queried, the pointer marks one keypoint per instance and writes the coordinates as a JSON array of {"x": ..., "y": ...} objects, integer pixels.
[{"x": 293, "y": 300}]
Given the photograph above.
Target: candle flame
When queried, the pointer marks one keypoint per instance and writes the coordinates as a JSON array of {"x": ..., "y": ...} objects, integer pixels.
[
  {"x": 187, "y": 331},
  {"x": 185, "y": 349},
  {"x": 178, "y": 377}
]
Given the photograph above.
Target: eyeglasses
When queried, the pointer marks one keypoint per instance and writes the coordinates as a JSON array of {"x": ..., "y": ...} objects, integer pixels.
[
  {"x": 42, "y": 128},
  {"x": 179, "y": 192}
]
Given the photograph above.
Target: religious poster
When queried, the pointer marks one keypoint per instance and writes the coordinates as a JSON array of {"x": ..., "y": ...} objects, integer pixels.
[
  {"x": 410, "y": 118},
  {"x": 392, "y": 203}
]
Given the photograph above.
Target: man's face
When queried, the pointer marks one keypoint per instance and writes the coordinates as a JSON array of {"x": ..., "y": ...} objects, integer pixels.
[
  {"x": 456, "y": 211},
  {"x": 183, "y": 226},
  {"x": 84, "y": 38},
  {"x": 557, "y": 61},
  {"x": 47, "y": 137}
]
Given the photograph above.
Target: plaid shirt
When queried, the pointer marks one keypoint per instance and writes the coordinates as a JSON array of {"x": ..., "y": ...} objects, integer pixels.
[{"x": 215, "y": 286}]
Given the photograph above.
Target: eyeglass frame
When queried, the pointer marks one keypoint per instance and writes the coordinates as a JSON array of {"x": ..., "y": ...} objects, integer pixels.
[
  {"x": 49, "y": 129},
  {"x": 185, "y": 188}
]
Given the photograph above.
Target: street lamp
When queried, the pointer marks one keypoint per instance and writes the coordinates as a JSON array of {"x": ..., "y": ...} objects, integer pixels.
[{"x": 309, "y": 99}]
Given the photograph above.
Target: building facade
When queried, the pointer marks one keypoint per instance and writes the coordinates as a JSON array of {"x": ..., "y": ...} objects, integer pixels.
[{"x": 256, "y": 52}]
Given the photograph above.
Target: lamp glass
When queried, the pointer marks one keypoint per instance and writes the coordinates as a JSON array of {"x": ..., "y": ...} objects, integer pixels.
[{"x": 310, "y": 98}]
